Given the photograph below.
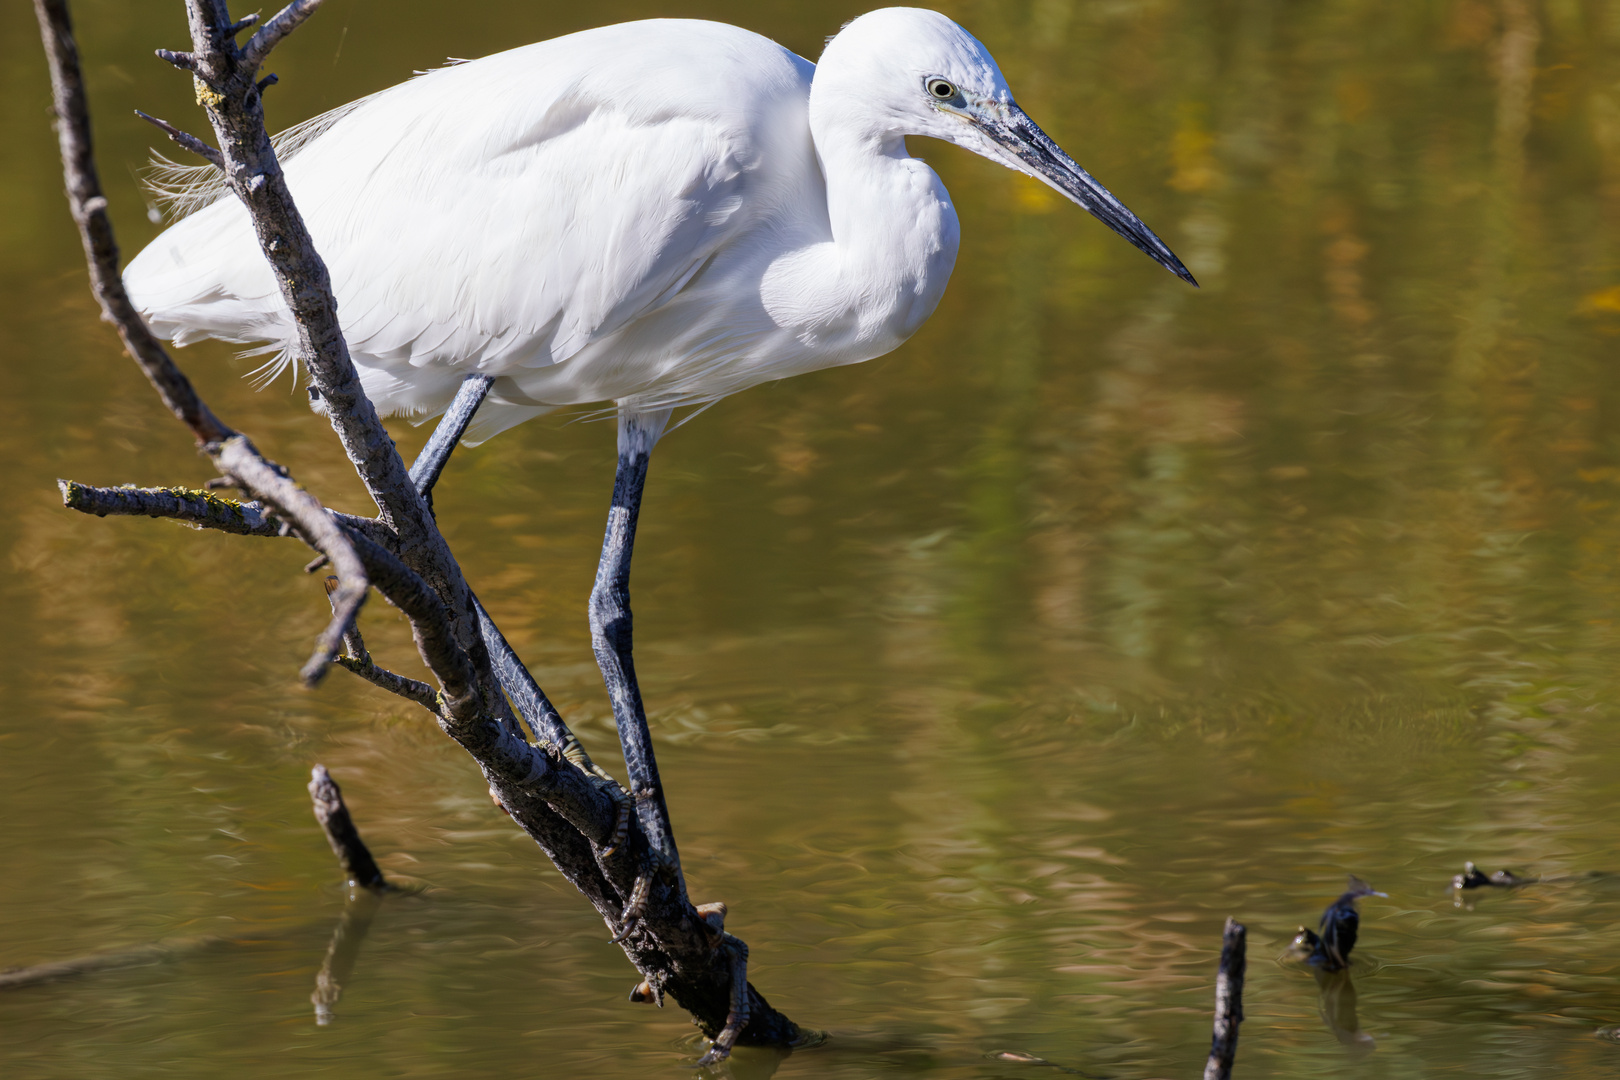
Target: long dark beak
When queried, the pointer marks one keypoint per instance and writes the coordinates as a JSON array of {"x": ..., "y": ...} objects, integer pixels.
[{"x": 1020, "y": 135}]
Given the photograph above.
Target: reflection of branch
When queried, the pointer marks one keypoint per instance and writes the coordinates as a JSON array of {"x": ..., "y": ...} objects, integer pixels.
[
  {"x": 333, "y": 814},
  {"x": 136, "y": 956},
  {"x": 1228, "y": 1001},
  {"x": 342, "y": 952}
]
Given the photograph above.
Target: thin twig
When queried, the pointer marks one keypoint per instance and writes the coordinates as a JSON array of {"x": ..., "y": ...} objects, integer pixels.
[
  {"x": 430, "y": 623},
  {"x": 1228, "y": 1001},
  {"x": 185, "y": 140},
  {"x": 352, "y": 640},
  {"x": 333, "y": 814},
  {"x": 410, "y": 689}
]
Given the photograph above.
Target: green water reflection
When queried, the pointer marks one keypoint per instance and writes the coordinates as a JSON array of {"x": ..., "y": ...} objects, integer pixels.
[{"x": 989, "y": 677}]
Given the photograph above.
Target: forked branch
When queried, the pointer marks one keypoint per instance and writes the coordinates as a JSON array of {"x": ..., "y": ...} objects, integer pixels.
[{"x": 567, "y": 805}]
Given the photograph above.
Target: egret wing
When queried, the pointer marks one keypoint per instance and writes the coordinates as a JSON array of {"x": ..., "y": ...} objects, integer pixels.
[{"x": 501, "y": 214}]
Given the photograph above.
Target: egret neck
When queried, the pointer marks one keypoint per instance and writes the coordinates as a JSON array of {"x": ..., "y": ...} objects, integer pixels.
[{"x": 894, "y": 236}]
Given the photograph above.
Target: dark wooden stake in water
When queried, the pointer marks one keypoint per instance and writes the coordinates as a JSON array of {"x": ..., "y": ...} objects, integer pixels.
[
  {"x": 333, "y": 814},
  {"x": 1228, "y": 1001},
  {"x": 366, "y": 881}
]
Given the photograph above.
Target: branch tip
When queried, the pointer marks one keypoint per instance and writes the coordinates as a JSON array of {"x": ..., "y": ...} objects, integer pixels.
[
  {"x": 182, "y": 60},
  {"x": 273, "y": 32},
  {"x": 186, "y": 141}
]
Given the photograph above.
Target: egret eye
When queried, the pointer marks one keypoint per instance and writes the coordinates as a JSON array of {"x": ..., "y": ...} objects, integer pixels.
[{"x": 941, "y": 90}]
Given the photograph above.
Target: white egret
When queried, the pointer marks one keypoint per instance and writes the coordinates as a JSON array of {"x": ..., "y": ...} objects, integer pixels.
[{"x": 654, "y": 214}]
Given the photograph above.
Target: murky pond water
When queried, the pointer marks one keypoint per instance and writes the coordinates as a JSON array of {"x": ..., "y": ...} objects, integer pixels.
[{"x": 987, "y": 678}]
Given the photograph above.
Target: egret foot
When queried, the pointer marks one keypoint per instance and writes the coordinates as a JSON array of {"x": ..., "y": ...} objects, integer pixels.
[
  {"x": 660, "y": 865},
  {"x": 714, "y": 916},
  {"x": 737, "y": 1017},
  {"x": 630, "y": 917},
  {"x": 621, "y": 829}
]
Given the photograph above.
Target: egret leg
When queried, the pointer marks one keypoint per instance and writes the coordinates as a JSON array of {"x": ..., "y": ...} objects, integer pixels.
[
  {"x": 532, "y": 704},
  {"x": 435, "y": 455},
  {"x": 611, "y": 639}
]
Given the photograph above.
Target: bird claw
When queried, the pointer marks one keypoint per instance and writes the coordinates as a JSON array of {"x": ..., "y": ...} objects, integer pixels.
[
  {"x": 635, "y": 909},
  {"x": 738, "y": 1017},
  {"x": 620, "y": 830}
]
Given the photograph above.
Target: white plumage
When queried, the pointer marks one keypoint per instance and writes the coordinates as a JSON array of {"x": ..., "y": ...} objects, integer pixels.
[{"x": 653, "y": 214}]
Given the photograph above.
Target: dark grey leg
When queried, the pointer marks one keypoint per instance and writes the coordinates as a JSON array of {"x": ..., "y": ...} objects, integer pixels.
[
  {"x": 430, "y": 462},
  {"x": 531, "y": 701},
  {"x": 611, "y": 636},
  {"x": 532, "y": 704}
]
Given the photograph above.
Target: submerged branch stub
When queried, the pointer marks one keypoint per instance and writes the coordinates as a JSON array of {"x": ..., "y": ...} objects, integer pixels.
[
  {"x": 333, "y": 814},
  {"x": 1228, "y": 1001}
]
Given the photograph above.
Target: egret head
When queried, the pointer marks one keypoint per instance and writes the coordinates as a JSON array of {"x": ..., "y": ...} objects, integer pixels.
[{"x": 912, "y": 71}]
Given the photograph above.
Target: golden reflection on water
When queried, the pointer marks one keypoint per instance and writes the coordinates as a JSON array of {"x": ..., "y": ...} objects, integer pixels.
[{"x": 988, "y": 677}]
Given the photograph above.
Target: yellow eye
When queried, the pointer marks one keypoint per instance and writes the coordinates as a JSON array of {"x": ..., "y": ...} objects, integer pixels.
[{"x": 941, "y": 90}]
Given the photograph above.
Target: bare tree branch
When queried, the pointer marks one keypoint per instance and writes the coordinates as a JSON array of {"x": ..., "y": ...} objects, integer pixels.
[
  {"x": 200, "y": 509},
  {"x": 553, "y": 792},
  {"x": 89, "y": 207},
  {"x": 235, "y": 108}
]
